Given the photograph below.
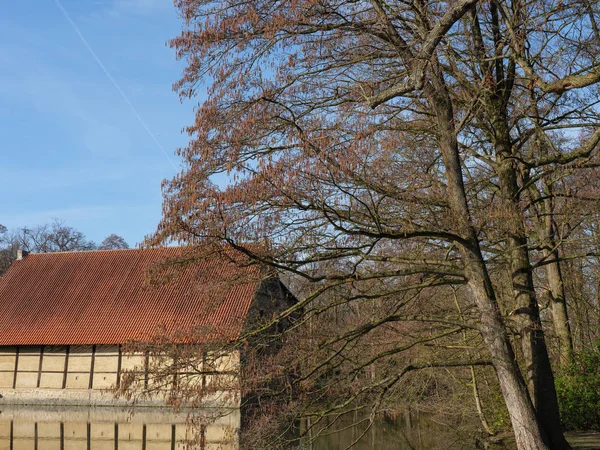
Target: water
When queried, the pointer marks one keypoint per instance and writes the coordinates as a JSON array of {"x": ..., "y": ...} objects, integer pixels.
[
  {"x": 409, "y": 431},
  {"x": 27, "y": 428},
  {"x": 70, "y": 428}
]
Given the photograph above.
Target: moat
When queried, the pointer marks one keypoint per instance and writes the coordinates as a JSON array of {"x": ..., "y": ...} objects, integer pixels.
[{"x": 106, "y": 428}]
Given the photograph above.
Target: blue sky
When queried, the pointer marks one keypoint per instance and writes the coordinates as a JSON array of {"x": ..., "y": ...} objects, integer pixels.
[{"x": 71, "y": 146}]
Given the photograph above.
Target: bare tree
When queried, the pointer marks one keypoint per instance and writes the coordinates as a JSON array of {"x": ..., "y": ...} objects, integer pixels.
[
  {"x": 55, "y": 236},
  {"x": 7, "y": 250},
  {"x": 379, "y": 147},
  {"x": 113, "y": 242}
]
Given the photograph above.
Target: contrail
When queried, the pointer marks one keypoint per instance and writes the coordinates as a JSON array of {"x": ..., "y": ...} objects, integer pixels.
[{"x": 113, "y": 81}]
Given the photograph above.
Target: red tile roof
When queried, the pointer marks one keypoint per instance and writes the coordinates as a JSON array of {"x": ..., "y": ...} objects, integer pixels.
[{"x": 102, "y": 297}]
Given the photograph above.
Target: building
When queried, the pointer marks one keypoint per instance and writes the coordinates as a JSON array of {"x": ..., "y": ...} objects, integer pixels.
[{"x": 64, "y": 317}]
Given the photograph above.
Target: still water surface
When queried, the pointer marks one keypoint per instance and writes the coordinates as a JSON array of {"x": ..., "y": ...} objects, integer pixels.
[
  {"x": 410, "y": 431},
  {"x": 69, "y": 428},
  {"x": 26, "y": 428}
]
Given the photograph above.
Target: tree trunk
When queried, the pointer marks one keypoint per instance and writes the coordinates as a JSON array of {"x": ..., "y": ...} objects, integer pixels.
[
  {"x": 539, "y": 371},
  {"x": 547, "y": 233},
  {"x": 526, "y": 312},
  {"x": 558, "y": 303},
  {"x": 528, "y": 433},
  {"x": 560, "y": 317}
]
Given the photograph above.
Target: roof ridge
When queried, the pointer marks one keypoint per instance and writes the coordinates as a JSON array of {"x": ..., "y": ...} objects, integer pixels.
[{"x": 104, "y": 250}]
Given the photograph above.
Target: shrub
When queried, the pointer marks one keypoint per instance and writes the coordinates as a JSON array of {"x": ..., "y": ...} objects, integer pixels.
[{"x": 578, "y": 392}]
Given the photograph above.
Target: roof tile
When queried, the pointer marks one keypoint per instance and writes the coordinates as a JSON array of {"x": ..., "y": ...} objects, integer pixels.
[{"x": 102, "y": 297}]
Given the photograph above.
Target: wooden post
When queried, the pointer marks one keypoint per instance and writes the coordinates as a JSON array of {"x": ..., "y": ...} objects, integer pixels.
[
  {"x": 204, "y": 356},
  {"x": 203, "y": 437},
  {"x": 146, "y": 364},
  {"x": 40, "y": 366},
  {"x": 116, "y": 436},
  {"x": 119, "y": 367},
  {"x": 175, "y": 373},
  {"x": 64, "y": 382},
  {"x": 92, "y": 367},
  {"x": 16, "y": 370},
  {"x": 89, "y": 436}
]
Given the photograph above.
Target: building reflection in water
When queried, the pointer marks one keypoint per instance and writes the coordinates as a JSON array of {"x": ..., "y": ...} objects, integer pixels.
[{"x": 29, "y": 428}]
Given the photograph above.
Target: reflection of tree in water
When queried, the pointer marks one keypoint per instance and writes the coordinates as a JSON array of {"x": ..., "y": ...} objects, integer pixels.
[{"x": 408, "y": 431}]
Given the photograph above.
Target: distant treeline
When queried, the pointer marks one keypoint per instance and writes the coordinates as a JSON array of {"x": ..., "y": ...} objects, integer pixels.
[{"x": 55, "y": 236}]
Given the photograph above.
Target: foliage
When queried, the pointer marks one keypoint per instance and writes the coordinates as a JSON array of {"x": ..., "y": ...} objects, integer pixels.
[
  {"x": 498, "y": 414},
  {"x": 579, "y": 391}
]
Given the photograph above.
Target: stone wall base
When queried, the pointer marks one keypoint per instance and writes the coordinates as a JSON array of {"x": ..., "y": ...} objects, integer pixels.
[{"x": 94, "y": 397}]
